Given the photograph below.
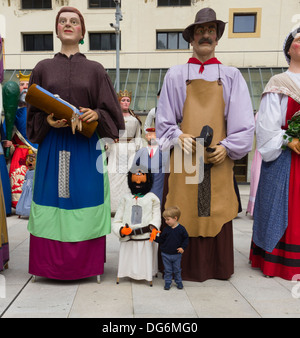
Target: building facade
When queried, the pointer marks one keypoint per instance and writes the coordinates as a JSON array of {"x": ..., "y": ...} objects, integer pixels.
[{"x": 151, "y": 41}]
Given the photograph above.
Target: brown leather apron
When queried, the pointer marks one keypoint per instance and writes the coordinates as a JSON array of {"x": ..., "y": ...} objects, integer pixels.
[{"x": 204, "y": 105}]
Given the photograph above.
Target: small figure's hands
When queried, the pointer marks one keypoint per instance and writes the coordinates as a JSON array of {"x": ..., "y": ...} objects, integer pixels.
[
  {"x": 126, "y": 230},
  {"x": 218, "y": 156},
  {"x": 153, "y": 234},
  {"x": 180, "y": 250},
  {"x": 88, "y": 115},
  {"x": 187, "y": 143},
  {"x": 56, "y": 123},
  {"x": 6, "y": 144},
  {"x": 295, "y": 145}
]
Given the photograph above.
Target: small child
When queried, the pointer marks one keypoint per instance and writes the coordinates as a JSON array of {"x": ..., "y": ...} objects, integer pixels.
[{"x": 173, "y": 241}]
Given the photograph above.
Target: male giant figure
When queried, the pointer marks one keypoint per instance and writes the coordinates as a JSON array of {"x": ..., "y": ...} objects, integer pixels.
[{"x": 199, "y": 93}]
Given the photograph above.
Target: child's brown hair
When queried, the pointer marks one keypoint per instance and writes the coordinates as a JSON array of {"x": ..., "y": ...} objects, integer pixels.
[{"x": 172, "y": 212}]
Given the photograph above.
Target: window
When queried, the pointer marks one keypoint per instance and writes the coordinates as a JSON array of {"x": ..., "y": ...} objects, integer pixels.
[
  {"x": 173, "y": 2},
  {"x": 102, "y": 4},
  {"x": 144, "y": 85},
  {"x": 103, "y": 41},
  {"x": 37, "y": 42},
  {"x": 36, "y": 4},
  {"x": 170, "y": 40},
  {"x": 244, "y": 22}
]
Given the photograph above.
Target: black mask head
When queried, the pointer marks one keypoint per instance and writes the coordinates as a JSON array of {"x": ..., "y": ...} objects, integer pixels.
[{"x": 140, "y": 187}]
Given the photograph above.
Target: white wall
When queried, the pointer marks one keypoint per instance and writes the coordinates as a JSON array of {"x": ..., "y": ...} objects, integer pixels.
[{"x": 141, "y": 20}]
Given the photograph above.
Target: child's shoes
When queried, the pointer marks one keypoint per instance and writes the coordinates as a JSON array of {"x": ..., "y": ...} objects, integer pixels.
[
  {"x": 167, "y": 286},
  {"x": 180, "y": 286}
]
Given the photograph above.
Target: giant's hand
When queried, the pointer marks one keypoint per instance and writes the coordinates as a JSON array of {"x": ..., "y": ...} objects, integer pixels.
[
  {"x": 295, "y": 145},
  {"x": 218, "y": 156},
  {"x": 126, "y": 230},
  {"x": 56, "y": 123},
  {"x": 187, "y": 143},
  {"x": 153, "y": 234},
  {"x": 88, "y": 115}
]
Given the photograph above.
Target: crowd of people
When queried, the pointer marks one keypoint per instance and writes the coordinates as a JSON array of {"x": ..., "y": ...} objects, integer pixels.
[{"x": 86, "y": 187}]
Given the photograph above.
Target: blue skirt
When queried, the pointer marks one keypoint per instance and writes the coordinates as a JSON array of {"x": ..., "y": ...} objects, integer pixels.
[{"x": 71, "y": 190}]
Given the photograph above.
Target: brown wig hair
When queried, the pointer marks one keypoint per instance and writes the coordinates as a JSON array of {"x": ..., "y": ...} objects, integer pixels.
[
  {"x": 172, "y": 212},
  {"x": 74, "y": 10}
]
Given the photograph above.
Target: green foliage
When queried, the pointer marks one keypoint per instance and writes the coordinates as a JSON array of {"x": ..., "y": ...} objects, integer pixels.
[{"x": 293, "y": 129}]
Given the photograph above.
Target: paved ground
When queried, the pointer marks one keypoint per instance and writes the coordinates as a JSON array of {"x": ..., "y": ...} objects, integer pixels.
[{"x": 247, "y": 294}]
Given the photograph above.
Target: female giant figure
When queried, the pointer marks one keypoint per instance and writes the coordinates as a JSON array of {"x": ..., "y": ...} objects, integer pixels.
[{"x": 70, "y": 213}]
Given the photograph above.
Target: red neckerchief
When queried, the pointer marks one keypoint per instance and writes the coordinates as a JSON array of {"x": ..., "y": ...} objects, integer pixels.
[{"x": 208, "y": 62}]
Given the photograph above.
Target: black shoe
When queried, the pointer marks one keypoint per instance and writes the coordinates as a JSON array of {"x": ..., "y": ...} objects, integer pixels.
[
  {"x": 179, "y": 286},
  {"x": 167, "y": 286}
]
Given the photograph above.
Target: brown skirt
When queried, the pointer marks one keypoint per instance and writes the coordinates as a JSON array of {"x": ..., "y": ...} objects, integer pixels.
[{"x": 208, "y": 257}]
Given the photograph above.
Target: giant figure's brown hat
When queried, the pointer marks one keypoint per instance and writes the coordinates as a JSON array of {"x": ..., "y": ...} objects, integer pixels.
[{"x": 203, "y": 16}]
